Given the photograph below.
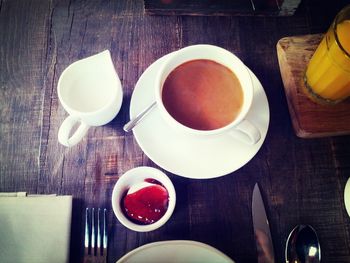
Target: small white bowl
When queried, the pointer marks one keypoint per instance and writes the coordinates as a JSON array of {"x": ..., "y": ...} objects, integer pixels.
[{"x": 133, "y": 177}]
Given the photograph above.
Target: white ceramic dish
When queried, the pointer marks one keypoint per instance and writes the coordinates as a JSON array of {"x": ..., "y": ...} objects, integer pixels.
[
  {"x": 133, "y": 177},
  {"x": 187, "y": 155},
  {"x": 175, "y": 251},
  {"x": 347, "y": 196}
]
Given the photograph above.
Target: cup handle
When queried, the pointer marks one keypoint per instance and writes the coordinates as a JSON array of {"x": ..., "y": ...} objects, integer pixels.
[
  {"x": 65, "y": 129},
  {"x": 246, "y": 132}
]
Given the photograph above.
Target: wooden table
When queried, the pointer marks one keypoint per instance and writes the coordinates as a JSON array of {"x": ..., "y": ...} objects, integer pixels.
[{"x": 302, "y": 180}]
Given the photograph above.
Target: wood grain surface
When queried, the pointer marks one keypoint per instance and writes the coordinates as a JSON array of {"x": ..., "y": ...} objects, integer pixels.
[
  {"x": 302, "y": 181},
  {"x": 310, "y": 119}
]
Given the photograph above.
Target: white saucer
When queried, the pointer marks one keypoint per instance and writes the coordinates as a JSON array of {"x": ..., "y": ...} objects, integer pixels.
[
  {"x": 175, "y": 251},
  {"x": 347, "y": 196},
  {"x": 187, "y": 155}
]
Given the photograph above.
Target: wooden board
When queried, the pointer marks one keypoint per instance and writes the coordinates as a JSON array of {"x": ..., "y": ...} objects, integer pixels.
[
  {"x": 221, "y": 7},
  {"x": 309, "y": 118}
]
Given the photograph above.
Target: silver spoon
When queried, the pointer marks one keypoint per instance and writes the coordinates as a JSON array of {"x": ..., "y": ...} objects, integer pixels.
[
  {"x": 133, "y": 122},
  {"x": 303, "y": 246}
]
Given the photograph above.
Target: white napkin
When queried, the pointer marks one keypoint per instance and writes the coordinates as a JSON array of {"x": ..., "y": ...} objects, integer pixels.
[{"x": 34, "y": 228}]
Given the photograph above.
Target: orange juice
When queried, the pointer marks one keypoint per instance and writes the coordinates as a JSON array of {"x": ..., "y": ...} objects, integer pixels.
[{"x": 328, "y": 72}]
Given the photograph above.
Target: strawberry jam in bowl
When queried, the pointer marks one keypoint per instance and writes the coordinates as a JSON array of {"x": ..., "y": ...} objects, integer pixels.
[{"x": 143, "y": 199}]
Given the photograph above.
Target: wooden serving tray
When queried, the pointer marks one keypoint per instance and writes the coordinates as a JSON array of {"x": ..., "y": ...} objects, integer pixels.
[
  {"x": 221, "y": 7},
  {"x": 309, "y": 119}
]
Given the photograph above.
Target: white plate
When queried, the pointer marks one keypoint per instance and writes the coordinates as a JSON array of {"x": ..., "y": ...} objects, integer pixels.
[
  {"x": 187, "y": 155},
  {"x": 175, "y": 251},
  {"x": 347, "y": 196}
]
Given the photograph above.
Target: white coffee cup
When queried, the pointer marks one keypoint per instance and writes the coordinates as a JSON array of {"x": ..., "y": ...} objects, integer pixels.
[
  {"x": 240, "y": 128},
  {"x": 91, "y": 92}
]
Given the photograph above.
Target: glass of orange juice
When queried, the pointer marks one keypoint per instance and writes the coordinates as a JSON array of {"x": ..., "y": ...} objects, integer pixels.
[{"x": 327, "y": 76}]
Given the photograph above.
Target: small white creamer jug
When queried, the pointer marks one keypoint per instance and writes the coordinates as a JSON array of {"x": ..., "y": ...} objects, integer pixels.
[{"x": 91, "y": 92}]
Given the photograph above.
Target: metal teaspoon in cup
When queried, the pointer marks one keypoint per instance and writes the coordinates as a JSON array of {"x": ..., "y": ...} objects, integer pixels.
[{"x": 133, "y": 122}]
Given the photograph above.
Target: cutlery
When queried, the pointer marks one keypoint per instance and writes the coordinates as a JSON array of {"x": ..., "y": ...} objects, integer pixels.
[
  {"x": 133, "y": 122},
  {"x": 261, "y": 228},
  {"x": 96, "y": 237},
  {"x": 303, "y": 246}
]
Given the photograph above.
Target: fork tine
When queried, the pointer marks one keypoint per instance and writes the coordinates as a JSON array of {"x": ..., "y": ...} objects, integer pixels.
[
  {"x": 93, "y": 234},
  {"x": 98, "y": 232},
  {"x": 86, "y": 239},
  {"x": 105, "y": 234}
]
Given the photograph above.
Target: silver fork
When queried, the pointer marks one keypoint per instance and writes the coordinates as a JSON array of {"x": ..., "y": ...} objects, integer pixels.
[{"x": 96, "y": 237}]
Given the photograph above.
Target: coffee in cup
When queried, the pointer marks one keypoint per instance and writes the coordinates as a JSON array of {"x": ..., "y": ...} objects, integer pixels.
[
  {"x": 202, "y": 94},
  {"x": 206, "y": 90}
]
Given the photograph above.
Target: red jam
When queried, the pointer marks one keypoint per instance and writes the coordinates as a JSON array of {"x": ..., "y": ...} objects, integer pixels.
[{"x": 146, "y": 205}]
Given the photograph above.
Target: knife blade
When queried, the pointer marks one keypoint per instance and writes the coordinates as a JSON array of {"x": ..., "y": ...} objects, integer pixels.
[{"x": 261, "y": 226}]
